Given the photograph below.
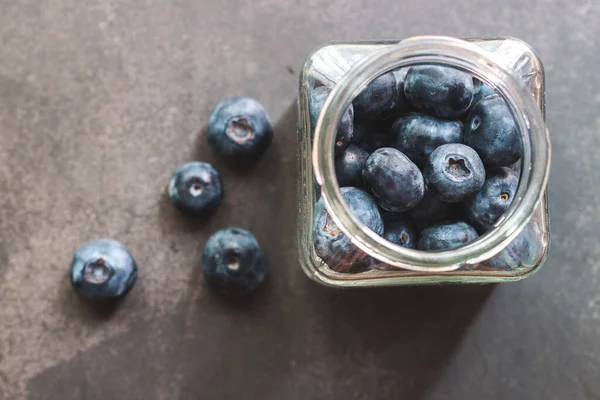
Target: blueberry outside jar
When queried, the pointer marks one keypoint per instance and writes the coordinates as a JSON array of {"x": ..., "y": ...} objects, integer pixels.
[{"x": 516, "y": 245}]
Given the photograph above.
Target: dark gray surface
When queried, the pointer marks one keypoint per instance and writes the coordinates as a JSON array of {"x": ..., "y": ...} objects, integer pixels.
[{"x": 101, "y": 100}]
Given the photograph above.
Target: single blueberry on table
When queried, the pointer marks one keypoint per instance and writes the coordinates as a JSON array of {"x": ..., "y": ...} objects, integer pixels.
[
  {"x": 240, "y": 128},
  {"x": 446, "y": 236},
  {"x": 454, "y": 172},
  {"x": 349, "y": 166},
  {"x": 491, "y": 130},
  {"x": 378, "y": 99},
  {"x": 494, "y": 198},
  {"x": 103, "y": 270},
  {"x": 418, "y": 135},
  {"x": 195, "y": 188},
  {"x": 317, "y": 99},
  {"x": 430, "y": 207},
  {"x": 482, "y": 90},
  {"x": 232, "y": 262},
  {"x": 443, "y": 91},
  {"x": 331, "y": 244},
  {"x": 394, "y": 180}
]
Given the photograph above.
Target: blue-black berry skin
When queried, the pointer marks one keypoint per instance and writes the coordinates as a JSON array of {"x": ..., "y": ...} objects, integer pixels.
[
  {"x": 420, "y": 224},
  {"x": 481, "y": 91},
  {"x": 233, "y": 263},
  {"x": 360, "y": 133},
  {"x": 491, "y": 130},
  {"x": 378, "y": 99},
  {"x": 430, "y": 208},
  {"x": 441, "y": 91},
  {"x": 394, "y": 180},
  {"x": 494, "y": 198},
  {"x": 402, "y": 105},
  {"x": 317, "y": 99},
  {"x": 523, "y": 251},
  {"x": 371, "y": 136},
  {"x": 196, "y": 188},
  {"x": 103, "y": 270},
  {"x": 454, "y": 172},
  {"x": 239, "y": 128},
  {"x": 349, "y": 166},
  {"x": 398, "y": 230},
  {"x": 446, "y": 236},
  {"x": 330, "y": 243},
  {"x": 418, "y": 135}
]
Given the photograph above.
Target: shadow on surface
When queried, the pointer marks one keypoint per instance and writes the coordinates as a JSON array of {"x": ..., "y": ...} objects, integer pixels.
[
  {"x": 178, "y": 221},
  {"x": 92, "y": 312}
]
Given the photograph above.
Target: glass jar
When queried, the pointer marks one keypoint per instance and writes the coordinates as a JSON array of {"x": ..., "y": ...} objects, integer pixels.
[{"x": 517, "y": 245}]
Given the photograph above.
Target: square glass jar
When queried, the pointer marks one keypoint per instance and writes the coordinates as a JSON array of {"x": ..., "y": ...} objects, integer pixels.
[{"x": 517, "y": 246}]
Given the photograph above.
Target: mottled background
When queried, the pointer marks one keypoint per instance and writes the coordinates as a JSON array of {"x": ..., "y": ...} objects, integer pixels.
[{"x": 100, "y": 100}]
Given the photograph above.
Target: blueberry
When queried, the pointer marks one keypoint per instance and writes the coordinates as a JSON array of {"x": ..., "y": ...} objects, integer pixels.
[
  {"x": 402, "y": 104},
  {"x": 240, "y": 128},
  {"x": 446, "y": 236},
  {"x": 232, "y": 262},
  {"x": 494, "y": 198},
  {"x": 393, "y": 179},
  {"x": 481, "y": 90},
  {"x": 523, "y": 251},
  {"x": 418, "y": 135},
  {"x": 397, "y": 230},
  {"x": 349, "y": 166},
  {"x": 378, "y": 99},
  {"x": 454, "y": 172},
  {"x": 360, "y": 133},
  {"x": 491, "y": 130},
  {"x": 430, "y": 207},
  {"x": 195, "y": 188},
  {"x": 371, "y": 136},
  {"x": 444, "y": 91},
  {"x": 344, "y": 134},
  {"x": 331, "y": 244},
  {"x": 420, "y": 224},
  {"x": 103, "y": 270},
  {"x": 516, "y": 168}
]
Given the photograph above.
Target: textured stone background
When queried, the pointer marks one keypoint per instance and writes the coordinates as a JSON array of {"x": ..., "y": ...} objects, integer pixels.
[{"x": 100, "y": 100}]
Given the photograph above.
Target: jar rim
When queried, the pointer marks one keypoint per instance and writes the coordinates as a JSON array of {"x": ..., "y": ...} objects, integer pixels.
[{"x": 476, "y": 61}]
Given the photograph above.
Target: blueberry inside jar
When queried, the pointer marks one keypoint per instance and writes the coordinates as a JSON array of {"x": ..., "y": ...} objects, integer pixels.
[{"x": 435, "y": 138}]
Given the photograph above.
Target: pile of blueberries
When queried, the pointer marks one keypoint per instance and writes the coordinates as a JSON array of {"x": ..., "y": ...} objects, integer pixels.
[
  {"x": 426, "y": 156},
  {"x": 232, "y": 262}
]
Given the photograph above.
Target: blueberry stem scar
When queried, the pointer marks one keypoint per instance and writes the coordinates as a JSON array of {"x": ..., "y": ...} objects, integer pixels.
[
  {"x": 233, "y": 264},
  {"x": 239, "y": 130},
  {"x": 97, "y": 272},
  {"x": 195, "y": 190},
  {"x": 457, "y": 167},
  {"x": 327, "y": 229}
]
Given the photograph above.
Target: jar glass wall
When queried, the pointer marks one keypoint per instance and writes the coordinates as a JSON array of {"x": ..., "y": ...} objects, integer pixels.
[{"x": 517, "y": 245}]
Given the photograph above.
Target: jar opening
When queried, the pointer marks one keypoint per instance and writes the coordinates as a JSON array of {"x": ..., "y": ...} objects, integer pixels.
[{"x": 469, "y": 58}]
